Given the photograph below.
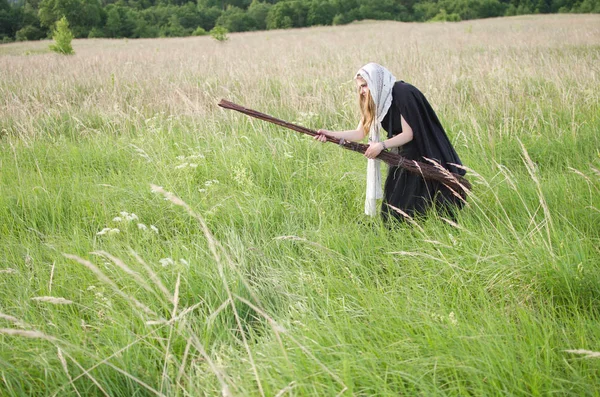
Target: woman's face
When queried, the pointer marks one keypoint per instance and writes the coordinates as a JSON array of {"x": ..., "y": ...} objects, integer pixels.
[{"x": 363, "y": 88}]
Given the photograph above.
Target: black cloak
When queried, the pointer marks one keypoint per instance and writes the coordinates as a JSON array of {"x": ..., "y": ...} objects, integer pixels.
[{"x": 405, "y": 190}]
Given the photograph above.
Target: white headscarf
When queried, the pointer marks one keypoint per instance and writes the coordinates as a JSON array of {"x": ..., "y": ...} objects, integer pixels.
[{"x": 380, "y": 82}]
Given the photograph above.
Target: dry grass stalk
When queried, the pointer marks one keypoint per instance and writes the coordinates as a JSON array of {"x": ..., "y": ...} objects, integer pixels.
[
  {"x": 63, "y": 362},
  {"x": 153, "y": 276},
  {"x": 406, "y": 216},
  {"x": 215, "y": 249},
  {"x": 135, "y": 379},
  {"x": 279, "y": 329},
  {"x": 219, "y": 309},
  {"x": 14, "y": 320},
  {"x": 125, "y": 268},
  {"x": 586, "y": 353},
  {"x": 452, "y": 223},
  {"x": 102, "y": 277},
  {"x": 547, "y": 217},
  {"x": 225, "y": 390},
  {"x": 286, "y": 389},
  {"x": 27, "y": 334},
  {"x": 104, "y": 361},
  {"x": 314, "y": 244},
  {"x": 52, "y": 299},
  {"x": 94, "y": 381},
  {"x": 181, "y": 371},
  {"x": 168, "y": 347},
  {"x": 51, "y": 277}
]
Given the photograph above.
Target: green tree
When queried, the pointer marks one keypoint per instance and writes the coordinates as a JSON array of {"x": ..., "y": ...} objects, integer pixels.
[
  {"x": 443, "y": 16},
  {"x": 9, "y": 21},
  {"x": 219, "y": 33},
  {"x": 235, "y": 19},
  {"x": 259, "y": 11},
  {"x": 82, "y": 14},
  {"x": 383, "y": 9},
  {"x": 62, "y": 37},
  {"x": 199, "y": 32},
  {"x": 321, "y": 12},
  {"x": 287, "y": 14},
  {"x": 30, "y": 32},
  {"x": 174, "y": 28},
  {"x": 208, "y": 17}
]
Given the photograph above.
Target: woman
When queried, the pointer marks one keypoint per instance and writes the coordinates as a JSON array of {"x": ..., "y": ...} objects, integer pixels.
[{"x": 414, "y": 130}]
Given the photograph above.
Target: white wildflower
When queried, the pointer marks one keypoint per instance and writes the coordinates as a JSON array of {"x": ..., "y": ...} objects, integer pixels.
[
  {"x": 452, "y": 318},
  {"x": 242, "y": 177},
  {"x": 132, "y": 217},
  {"x": 202, "y": 190},
  {"x": 180, "y": 158},
  {"x": 114, "y": 231},
  {"x": 452, "y": 239},
  {"x": 103, "y": 231},
  {"x": 166, "y": 262},
  {"x": 91, "y": 287},
  {"x": 141, "y": 226},
  {"x": 117, "y": 219},
  {"x": 154, "y": 228},
  {"x": 193, "y": 165},
  {"x": 124, "y": 214},
  {"x": 180, "y": 166},
  {"x": 184, "y": 262}
]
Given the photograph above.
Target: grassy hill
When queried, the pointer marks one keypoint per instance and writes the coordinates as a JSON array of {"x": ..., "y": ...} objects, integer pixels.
[{"x": 259, "y": 274}]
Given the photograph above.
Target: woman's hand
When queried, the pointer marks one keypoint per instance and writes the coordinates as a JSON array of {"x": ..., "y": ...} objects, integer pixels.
[
  {"x": 323, "y": 134},
  {"x": 374, "y": 149}
]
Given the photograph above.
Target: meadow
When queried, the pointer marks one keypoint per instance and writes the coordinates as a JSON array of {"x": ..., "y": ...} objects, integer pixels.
[{"x": 152, "y": 243}]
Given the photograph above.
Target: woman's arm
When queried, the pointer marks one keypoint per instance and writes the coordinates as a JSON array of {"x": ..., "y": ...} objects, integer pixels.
[
  {"x": 401, "y": 139},
  {"x": 349, "y": 135}
]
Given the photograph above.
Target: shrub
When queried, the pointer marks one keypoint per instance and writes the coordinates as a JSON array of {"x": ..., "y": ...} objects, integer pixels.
[
  {"x": 62, "y": 36},
  {"x": 199, "y": 32},
  {"x": 95, "y": 33},
  {"x": 30, "y": 32},
  {"x": 219, "y": 33},
  {"x": 443, "y": 16},
  {"x": 339, "y": 19}
]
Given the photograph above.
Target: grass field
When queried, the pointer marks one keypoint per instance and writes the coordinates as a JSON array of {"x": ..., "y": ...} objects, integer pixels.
[{"x": 259, "y": 274}]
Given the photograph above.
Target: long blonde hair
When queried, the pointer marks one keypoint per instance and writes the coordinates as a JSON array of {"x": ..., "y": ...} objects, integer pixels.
[{"x": 367, "y": 111}]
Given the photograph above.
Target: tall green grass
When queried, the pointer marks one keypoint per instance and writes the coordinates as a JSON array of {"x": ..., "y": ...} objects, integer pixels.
[{"x": 259, "y": 274}]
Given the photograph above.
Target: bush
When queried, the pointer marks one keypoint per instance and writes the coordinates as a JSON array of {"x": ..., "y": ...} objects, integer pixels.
[
  {"x": 95, "y": 33},
  {"x": 259, "y": 11},
  {"x": 62, "y": 36},
  {"x": 443, "y": 16},
  {"x": 340, "y": 19},
  {"x": 219, "y": 33},
  {"x": 199, "y": 32},
  {"x": 30, "y": 32},
  {"x": 235, "y": 19},
  {"x": 174, "y": 28}
]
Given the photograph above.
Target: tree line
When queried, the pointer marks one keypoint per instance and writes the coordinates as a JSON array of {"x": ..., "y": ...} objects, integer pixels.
[{"x": 35, "y": 19}]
